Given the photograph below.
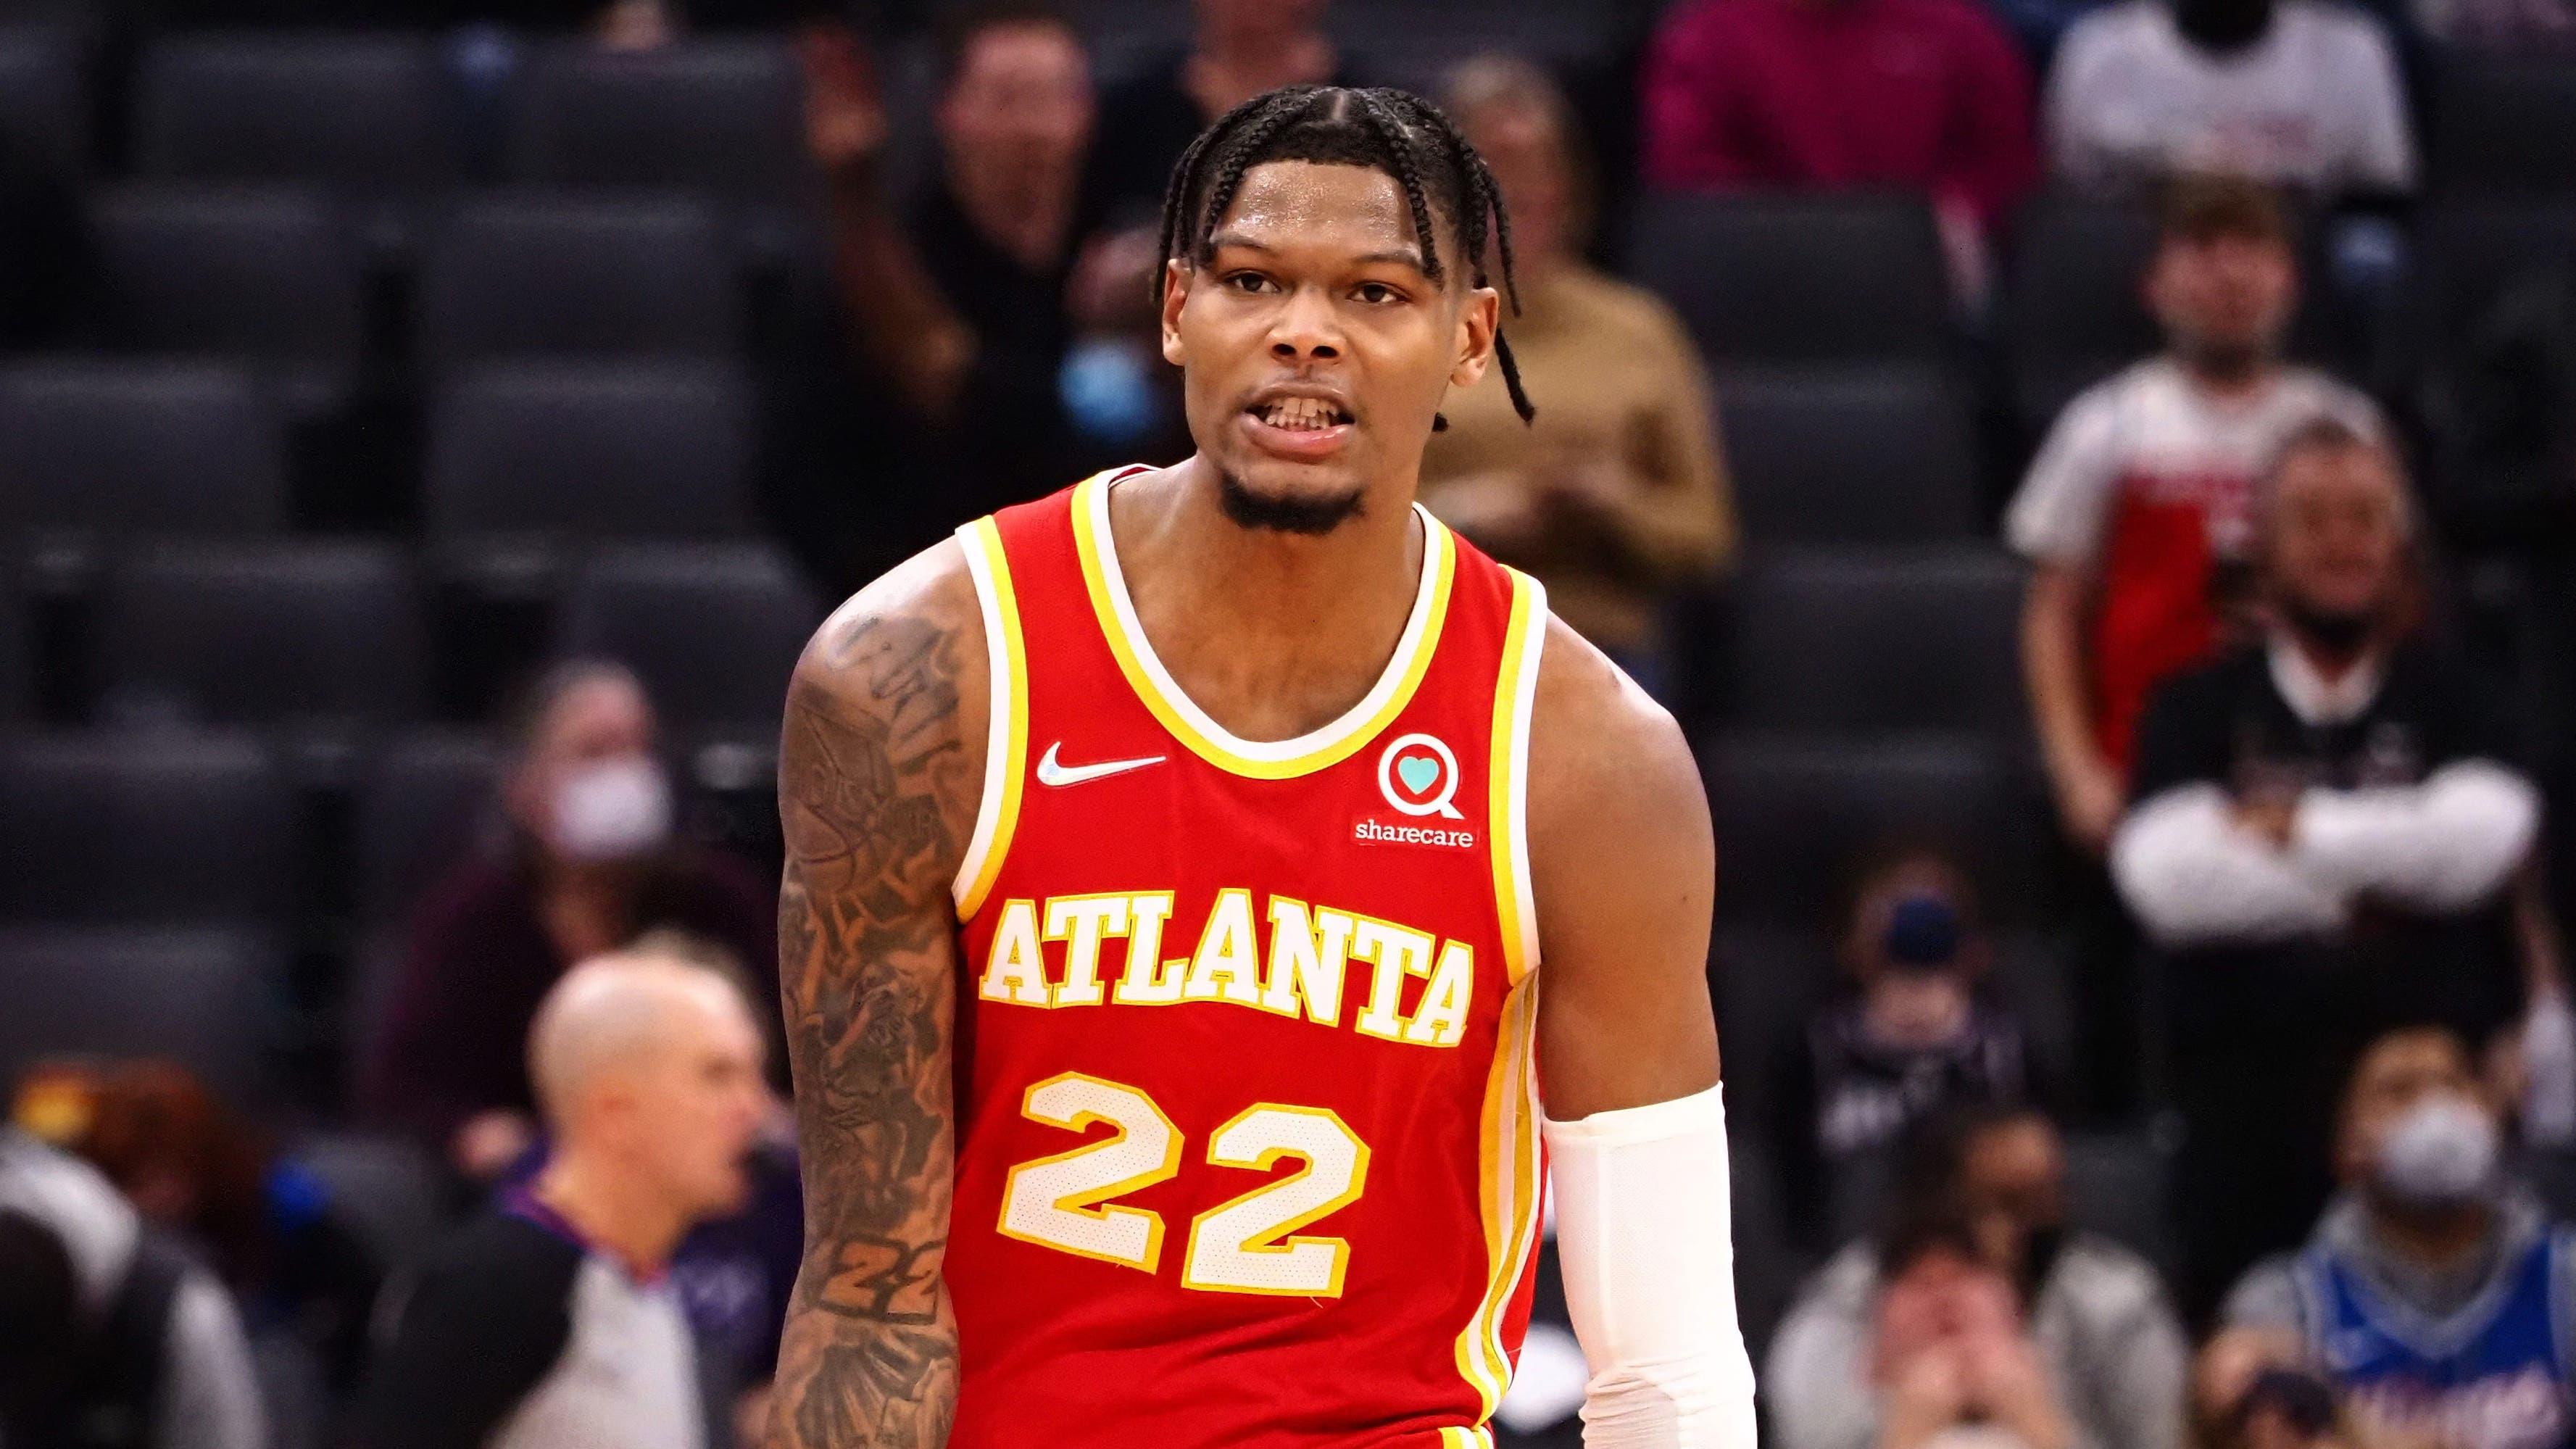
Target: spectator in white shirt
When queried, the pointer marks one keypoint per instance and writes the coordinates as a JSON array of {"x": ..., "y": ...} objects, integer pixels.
[
  {"x": 2302, "y": 93},
  {"x": 2325, "y": 824}
]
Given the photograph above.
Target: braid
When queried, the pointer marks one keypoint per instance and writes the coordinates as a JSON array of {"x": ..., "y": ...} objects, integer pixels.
[{"x": 1390, "y": 122}]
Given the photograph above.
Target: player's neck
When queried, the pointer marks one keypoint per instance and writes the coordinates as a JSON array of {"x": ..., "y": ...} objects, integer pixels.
[{"x": 1272, "y": 633}]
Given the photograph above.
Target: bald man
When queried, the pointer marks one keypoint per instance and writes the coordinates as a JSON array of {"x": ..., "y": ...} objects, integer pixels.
[{"x": 549, "y": 1323}]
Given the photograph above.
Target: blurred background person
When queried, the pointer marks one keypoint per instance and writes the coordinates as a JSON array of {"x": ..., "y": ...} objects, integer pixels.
[
  {"x": 1914, "y": 1035},
  {"x": 1978, "y": 1304},
  {"x": 134, "y": 1344},
  {"x": 1237, "y": 50},
  {"x": 2434, "y": 1295},
  {"x": 550, "y": 1322},
  {"x": 2326, "y": 821},
  {"x": 2252, "y": 1388},
  {"x": 1924, "y": 95},
  {"x": 590, "y": 864},
  {"x": 2299, "y": 93},
  {"x": 1615, "y": 497}
]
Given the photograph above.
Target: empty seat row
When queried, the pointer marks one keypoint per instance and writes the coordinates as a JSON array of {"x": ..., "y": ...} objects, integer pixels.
[
  {"x": 205, "y": 998},
  {"x": 1873, "y": 639},
  {"x": 339, "y": 634},
  {"x": 644, "y": 449}
]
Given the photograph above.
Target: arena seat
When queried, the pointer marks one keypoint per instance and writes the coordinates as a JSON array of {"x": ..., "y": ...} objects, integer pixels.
[
  {"x": 425, "y": 801},
  {"x": 389, "y": 1191},
  {"x": 364, "y": 113},
  {"x": 714, "y": 630},
  {"x": 272, "y": 275},
  {"x": 529, "y": 275},
  {"x": 1775, "y": 278},
  {"x": 637, "y": 450},
  {"x": 17, "y": 653},
  {"x": 1879, "y": 639},
  {"x": 2475, "y": 251},
  {"x": 146, "y": 827},
  {"x": 724, "y": 117},
  {"x": 1850, "y": 455},
  {"x": 328, "y": 635},
  {"x": 44, "y": 103},
  {"x": 1796, "y": 814},
  {"x": 2504, "y": 123},
  {"x": 138, "y": 448},
  {"x": 198, "y": 997},
  {"x": 2116, "y": 1186},
  {"x": 2073, "y": 305}
]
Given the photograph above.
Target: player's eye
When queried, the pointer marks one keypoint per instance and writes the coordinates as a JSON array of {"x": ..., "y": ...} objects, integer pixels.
[
  {"x": 1248, "y": 282},
  {"x": 1376, "y": 294}
]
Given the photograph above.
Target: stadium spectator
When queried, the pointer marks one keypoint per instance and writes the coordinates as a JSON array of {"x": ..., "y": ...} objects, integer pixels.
[
  {"x": 2301, "y": 93},
  {"x": 133, "y": 1344},
  {"x": 590, "y": 865},
  {"x": 1237, "y": 50},
  {"x": 2433, "y": 1294},
  {"x": 1913, "y": 1036},
  {"x": 197, "y": 1170},
  {"x": 1929, "y": 95},
  {"x": 958, "y": 295},
  {"x": 2134, "y": 514},
  {"x": 1979, "y": 1302},
  {"x": 1615, "y": 497},
  {"x": 551, "y": 1321},
  {"x": 2252, "y": 1388},
  {"x": 2324, "y": 828}
]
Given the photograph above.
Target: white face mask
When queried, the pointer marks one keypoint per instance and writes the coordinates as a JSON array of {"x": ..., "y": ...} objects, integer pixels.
[
  {"x": 612, "y": 809},
  {"x": 2441, "y": 1153}
]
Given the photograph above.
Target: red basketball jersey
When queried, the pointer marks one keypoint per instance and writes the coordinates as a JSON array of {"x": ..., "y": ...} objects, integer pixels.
[{"x": 1248, "y": 1149}]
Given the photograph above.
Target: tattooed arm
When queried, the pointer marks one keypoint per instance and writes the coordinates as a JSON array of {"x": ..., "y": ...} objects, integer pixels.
[{"x": 879, "y": 774}]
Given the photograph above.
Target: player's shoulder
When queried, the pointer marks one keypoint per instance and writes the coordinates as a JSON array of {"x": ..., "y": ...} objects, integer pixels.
[
  {"x": 921, "y": 619},
  {"x": 1604, "y": 756}
]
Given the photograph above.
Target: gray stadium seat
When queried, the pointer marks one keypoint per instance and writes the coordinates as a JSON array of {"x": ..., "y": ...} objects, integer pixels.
[
  {"x": 2117, "y": 1185},
  {"x": 1796, "y": 816},
  {"x": 2504, "y": 123},
  {"x": 724, "y": 117},
  {"x": 714, "y": 630},
  {"x": 390, "y": 1191},
  {"x": 425, "y": 802},
  {"x": 537, "y": 275},
  {"x": 145, "y": 827},
  {"x": 44, "y": 105},
  {"x": 2476, "y": 251},
  {"x": 199, "y": 997},
  {"x": 271, "y": 275},
  {"x": 1808, "y": 278},
  {"x": 300, "y": 634},
  {"x": 2074, "y": 282},
  {"x": 17, "y": 654},
  {"x": 1850, "y": 455},
  {"x": 610, "y": 450},
  {"x": 367, "y": 114},
  {"x": 138, "y": 447},
  {"x": 1879, "y": 638}
]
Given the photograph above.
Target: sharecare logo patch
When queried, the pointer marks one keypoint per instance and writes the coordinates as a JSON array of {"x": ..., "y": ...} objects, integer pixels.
[{"x": 1378, "y": 832}]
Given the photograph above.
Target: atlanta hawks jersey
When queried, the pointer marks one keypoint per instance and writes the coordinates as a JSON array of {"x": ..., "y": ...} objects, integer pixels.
[{"x": 1247, "y": 1126}]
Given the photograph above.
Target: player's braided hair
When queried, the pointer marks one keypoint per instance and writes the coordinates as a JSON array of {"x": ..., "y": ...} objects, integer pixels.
[{"x": 1393, "y": 131}]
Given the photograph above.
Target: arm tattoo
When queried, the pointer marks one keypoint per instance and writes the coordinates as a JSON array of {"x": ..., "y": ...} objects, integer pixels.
[{"x": 867, "y": 955}]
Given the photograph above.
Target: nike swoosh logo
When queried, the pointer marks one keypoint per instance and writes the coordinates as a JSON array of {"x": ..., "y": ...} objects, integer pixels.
[{"x": 1050, "y": 772}]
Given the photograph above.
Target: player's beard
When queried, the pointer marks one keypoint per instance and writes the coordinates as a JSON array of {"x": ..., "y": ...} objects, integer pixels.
[{"x": 1309, "y": 516}]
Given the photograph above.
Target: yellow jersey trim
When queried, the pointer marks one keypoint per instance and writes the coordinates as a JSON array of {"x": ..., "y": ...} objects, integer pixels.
[
  {"x": 1210, "y": 741},
  {"x": 1006, "y": 749},
  {"x": 1507, "y": 795},
  {"x": 1508, "y": 1161}
]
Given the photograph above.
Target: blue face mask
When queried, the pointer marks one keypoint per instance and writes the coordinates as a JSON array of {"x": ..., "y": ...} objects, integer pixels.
[{"x": 1107, "y": 388}]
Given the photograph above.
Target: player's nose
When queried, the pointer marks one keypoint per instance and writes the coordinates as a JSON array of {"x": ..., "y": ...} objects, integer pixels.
[{"x": 1305, "y": 328}]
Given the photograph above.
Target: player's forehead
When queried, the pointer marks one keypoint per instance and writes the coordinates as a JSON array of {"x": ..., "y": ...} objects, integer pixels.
[{"x": 1320, "y": 212}]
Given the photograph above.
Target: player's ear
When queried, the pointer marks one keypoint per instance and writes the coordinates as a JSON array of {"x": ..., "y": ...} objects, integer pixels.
[
  {"x": 1479, "y": 323},
  {"x": 1176, "y": 291}
]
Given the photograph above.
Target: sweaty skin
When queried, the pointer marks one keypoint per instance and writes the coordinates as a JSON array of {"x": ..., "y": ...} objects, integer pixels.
[{"x": 1316, "y": 284}]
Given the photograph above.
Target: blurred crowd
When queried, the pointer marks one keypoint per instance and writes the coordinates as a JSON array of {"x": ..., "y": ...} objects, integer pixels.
[{"x": 2245, "y": 1119}]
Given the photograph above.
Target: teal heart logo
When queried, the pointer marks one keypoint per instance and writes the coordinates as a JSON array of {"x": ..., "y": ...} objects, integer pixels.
[{"x": 1418, "y": 772}]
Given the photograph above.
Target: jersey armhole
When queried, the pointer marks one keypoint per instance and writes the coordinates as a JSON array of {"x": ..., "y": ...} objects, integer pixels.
[
  {"x": 1006, "y": 743},
  {"x": 1515, "y": 692}
]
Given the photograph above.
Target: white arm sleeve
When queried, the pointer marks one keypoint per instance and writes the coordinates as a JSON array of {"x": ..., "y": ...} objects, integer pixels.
[
  {"x": 2193, "y": 877},
  {"x": 1643, "y": 1235},
  {"x": 2443, "y": 845}
]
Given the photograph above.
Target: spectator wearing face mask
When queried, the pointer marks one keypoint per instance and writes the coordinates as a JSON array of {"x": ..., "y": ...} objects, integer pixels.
[
  {"x": 2325, "y": 825},
  {"x": 588, "y": 866},
  {"x": 1980, "y": 1313},
  {"x": 2433, "y": 1294},
  {"x": 1913, "y": 1036}
]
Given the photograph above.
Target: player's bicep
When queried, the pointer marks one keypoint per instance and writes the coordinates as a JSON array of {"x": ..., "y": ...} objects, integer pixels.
[{"x": 1623, "y": 867}]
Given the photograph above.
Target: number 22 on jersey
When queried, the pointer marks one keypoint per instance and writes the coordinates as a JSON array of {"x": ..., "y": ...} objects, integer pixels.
[{"x": 1066, "y": 1202}]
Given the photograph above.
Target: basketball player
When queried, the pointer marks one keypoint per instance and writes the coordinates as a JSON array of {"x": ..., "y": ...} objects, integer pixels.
[{"x": 1193, "y": 876}]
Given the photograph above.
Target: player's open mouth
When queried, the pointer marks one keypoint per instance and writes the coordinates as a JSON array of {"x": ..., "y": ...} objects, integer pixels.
[{"x": 1297, "y": 425}]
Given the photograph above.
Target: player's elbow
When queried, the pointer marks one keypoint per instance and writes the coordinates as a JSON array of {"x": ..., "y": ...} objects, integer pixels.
[{"x": 1700, "y": 1401}]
